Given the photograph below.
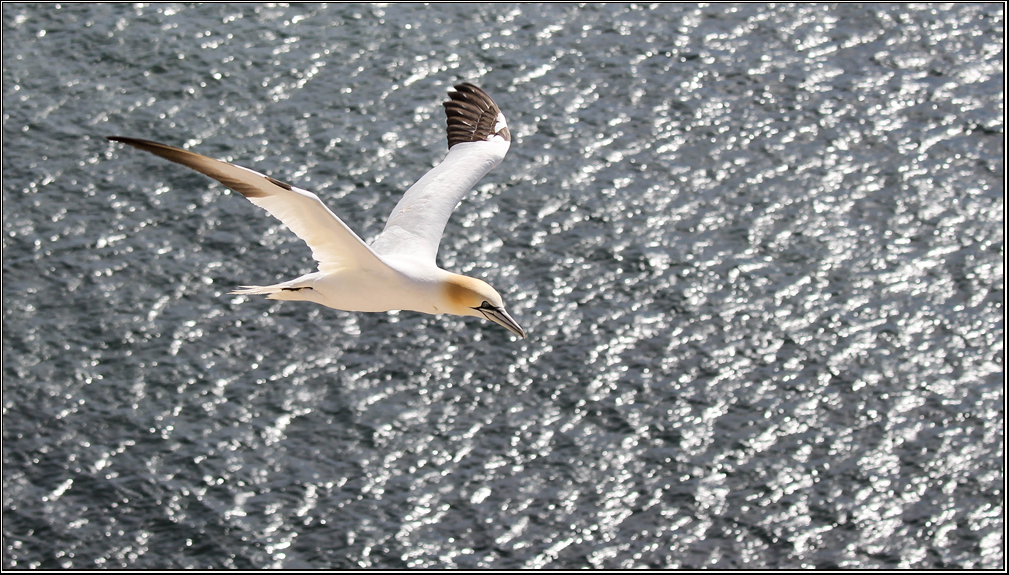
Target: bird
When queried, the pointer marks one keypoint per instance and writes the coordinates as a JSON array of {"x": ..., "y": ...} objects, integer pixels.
[{"x": 398, "y": 270}]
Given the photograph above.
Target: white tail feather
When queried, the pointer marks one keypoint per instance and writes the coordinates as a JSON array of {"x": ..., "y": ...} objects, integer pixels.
[{"x": 257, "y": 290}]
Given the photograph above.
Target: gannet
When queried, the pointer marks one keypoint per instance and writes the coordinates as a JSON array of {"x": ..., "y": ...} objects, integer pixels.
[{"x": 398, "y": 270}]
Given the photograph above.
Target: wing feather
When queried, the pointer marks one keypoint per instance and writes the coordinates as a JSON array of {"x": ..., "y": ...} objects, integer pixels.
[
  {"x": 478, "y": 139},
  {"x": 333, "y": 244}
]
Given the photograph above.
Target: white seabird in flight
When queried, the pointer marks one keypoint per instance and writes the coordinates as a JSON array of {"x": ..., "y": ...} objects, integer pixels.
[{"x": 398, "y": 270}]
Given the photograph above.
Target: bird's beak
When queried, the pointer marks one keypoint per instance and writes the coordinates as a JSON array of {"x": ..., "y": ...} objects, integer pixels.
[{"x": 499, "y": 316}]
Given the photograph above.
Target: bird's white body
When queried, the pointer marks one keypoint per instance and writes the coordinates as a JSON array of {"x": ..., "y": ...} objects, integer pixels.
[
  {"x": 398, "y": 270},
  {"x": 400, "y": 285}
]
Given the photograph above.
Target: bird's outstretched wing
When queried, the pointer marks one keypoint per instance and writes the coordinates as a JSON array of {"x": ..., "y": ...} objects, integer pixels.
[
  {"x": 334, "y": 245},
  {"x": 478, "y": 139}
]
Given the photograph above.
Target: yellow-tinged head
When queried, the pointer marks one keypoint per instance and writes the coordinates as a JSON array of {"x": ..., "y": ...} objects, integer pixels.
[{"x": 470, "y": 296}]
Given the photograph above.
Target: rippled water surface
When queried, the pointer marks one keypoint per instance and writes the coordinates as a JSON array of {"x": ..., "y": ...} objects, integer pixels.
[{"x": 758, "y": 251}]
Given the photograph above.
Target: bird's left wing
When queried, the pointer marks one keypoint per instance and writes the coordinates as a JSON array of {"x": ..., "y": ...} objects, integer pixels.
[
  {"x": 478, "y": 139},
  {"x": 333, "y": 244}
]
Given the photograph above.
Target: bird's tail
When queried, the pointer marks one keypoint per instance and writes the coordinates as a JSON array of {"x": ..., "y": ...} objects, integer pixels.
[
  {"x": 257, "y": 290},
  {"x": 299, "y": 289}
]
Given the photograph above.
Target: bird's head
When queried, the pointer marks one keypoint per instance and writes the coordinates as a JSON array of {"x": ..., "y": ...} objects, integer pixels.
[{"x": 470, "y": 296}]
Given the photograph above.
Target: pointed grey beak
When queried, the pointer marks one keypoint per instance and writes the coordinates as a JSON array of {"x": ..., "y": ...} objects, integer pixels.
[{"x": 499, "y": 316}]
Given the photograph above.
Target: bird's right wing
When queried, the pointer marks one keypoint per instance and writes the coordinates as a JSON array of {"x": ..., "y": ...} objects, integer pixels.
[
  {"x": 478, "y": 139},
  {"x": 334, "y": 245}
]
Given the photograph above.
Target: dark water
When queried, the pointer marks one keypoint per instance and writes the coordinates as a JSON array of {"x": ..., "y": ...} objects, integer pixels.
[{"x": 758, "y": 251}]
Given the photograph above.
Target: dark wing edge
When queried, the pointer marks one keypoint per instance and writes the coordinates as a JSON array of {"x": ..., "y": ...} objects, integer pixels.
[
  {"x": 333, "y": 243},
  {"x": 472, "y": 116},
  {"x": 202, "y": 164}
]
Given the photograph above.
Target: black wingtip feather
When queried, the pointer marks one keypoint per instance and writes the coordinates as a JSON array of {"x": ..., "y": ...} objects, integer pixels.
[
  {"x": 204, "y": 165},
  {"x": 471, "y": 116}
]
